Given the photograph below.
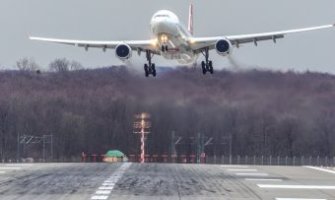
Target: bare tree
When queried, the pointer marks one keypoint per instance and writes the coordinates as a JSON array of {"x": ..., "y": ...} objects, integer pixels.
[
  {"x": 75, "y": 65},
  {"x": 60, "y": 65},
  {"x": 27, "y": 64}
]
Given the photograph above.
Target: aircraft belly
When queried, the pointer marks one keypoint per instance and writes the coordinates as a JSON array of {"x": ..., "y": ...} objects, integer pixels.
[
  {"x": 182, "y": 58},
  {"x": 179, "y": 50}
]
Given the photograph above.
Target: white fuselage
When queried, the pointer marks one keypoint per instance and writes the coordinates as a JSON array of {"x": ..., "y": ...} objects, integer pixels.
[{"x": 170, "y": 33}]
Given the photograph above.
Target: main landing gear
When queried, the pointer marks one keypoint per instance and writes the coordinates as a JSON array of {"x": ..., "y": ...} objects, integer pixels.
[
  {"x": 149, "y": 68},
  {"x": 207, "y": 65}
]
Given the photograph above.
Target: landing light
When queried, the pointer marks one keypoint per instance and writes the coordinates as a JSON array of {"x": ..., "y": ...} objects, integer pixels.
[
  {"x": 164, "y": 38},
  {"x": 192, "y": 41},
  {"x": 154, "y": 42}
]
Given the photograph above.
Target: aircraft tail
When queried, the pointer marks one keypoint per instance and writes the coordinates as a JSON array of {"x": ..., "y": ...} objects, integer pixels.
[{"x": 190, "y": 19}]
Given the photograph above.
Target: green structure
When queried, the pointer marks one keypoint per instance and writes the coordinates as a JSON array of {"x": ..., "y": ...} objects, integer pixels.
[{"x": 115, "y": 156}]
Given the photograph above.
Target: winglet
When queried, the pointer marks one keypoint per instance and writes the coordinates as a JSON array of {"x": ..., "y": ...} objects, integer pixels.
[{"x": 190, "y": 19}]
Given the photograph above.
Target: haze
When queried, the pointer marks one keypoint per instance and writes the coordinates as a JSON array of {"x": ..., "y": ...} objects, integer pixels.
[{"x": 127, "y": 19}]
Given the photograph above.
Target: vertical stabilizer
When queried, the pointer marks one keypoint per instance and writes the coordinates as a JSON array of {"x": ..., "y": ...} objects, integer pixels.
[{"x": 190, "y": 19}]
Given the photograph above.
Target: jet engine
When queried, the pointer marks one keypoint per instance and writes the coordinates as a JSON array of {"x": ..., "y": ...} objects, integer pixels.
[
  {"x": 223, "y": 47},
  {"x": 123, "y": 51}
]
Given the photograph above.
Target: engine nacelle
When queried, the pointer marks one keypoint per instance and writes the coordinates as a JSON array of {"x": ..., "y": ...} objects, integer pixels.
[
  {"x": 223, "y": 47},
  {"x": 123, "y": 51}
]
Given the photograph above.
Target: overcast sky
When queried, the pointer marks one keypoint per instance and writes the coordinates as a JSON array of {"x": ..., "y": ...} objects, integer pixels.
[{"x": 129, "y": 19}]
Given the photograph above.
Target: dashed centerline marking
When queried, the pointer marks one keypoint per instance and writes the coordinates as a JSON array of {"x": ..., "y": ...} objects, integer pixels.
[
  {"x": 103, "y": 192},
  {"x": 99, "y": 197},
  {"x": 107, "y": 186},
  {"x": 311, "y": 187}
]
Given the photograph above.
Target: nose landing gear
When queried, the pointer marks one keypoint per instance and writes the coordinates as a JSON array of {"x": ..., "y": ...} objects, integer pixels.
[{"x": 164, "y": 48}]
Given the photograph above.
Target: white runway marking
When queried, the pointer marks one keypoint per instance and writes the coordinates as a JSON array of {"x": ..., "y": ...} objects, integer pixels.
[
  {"x": 10, "y": 168},
  {"x": 2, "y": 172},
  {"x": 99, "y": 197},
  {"x": 16, "y": 165},
  {"x": 252, "y": 174},
  {"x": 103, "y": 192},
  {"x": 108, "y": 181},
  {"x": 235, "y": 166},
  {"x": 264, "y": 179},
  {"x": 107, "y": 186},
  {"x": 321, "y": 169},
  {"x": 242, "y": 170},
  {"x": 297, "y": 199},
  {"x": 311, "y": 187}
]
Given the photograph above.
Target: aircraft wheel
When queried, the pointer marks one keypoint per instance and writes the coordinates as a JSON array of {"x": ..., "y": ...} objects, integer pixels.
[
  {"x": 146, "y": 70},
  {"x": 211, "y": 69},
  {"x": 203, "y": 66},
  {"x": 153, "y": 67}
]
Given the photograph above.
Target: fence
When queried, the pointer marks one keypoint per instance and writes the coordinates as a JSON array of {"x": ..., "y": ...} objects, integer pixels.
[
  {"x": 241, "y": 160},
  {"x": 234, "y": 160},
  {"x": 273, "y": 160}
]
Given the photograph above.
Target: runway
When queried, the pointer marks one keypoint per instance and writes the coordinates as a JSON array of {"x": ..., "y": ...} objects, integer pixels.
[{"x": 135, "y": 181}]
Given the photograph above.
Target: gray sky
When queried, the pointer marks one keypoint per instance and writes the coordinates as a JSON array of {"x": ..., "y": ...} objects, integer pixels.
[{"x": 129, "y": 19}]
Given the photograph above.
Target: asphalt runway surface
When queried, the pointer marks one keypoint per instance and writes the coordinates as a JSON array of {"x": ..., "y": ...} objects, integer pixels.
[{"x": 91, "y": 181}]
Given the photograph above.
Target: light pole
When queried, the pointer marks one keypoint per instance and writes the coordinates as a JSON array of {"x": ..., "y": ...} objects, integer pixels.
[{"x": 141, "y": 126}]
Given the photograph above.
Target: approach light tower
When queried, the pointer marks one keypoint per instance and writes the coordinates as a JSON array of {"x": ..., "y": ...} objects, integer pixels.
[{"x": 142, "y": 126}]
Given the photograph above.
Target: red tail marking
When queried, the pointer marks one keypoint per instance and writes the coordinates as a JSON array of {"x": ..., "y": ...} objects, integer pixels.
[{"x": 190, "y": 19}]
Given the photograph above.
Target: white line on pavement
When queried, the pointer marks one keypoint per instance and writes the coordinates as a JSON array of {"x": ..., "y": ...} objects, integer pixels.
[
  {"x": 10, "y": 168},
  {"x": 103, "y": 192},
  {"x": 263, "y": 179},
  {"x": 108, "y": 185},
  {"x": 99, "y": 197},
  {"x": 106, "y": 188},
  {"x": 312, "y": 187},
  {"x": 2, "y": 172},
  {"x": 235, "y": 166},
  {"x": 321, "y": 169},
  {"x": 297, "y": 199},
  {"x": 109, "y": 182},
  {"x": 242, "y": 170},
  {"x": 252, "y": 174}
]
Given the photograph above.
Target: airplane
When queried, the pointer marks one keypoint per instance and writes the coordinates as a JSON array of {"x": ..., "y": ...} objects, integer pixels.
[{"x": 174, "y": 41}]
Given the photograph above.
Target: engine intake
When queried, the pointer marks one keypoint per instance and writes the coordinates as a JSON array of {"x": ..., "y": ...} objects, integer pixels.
[
  {"x": 123, "y": 51},
  {"x": 223, "y": 47}
]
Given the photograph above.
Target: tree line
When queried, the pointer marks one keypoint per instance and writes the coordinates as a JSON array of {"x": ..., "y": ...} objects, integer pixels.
[{"x": 92, "y": 111}]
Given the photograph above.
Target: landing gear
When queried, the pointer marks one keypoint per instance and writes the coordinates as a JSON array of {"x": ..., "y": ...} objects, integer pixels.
[
  {"x": 207, "y": 65},
  {"x": 149, "y": 68},
  {"x": 164, "y": 48}
]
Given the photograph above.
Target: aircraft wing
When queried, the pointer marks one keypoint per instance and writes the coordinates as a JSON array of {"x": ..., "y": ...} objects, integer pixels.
[
  {"x": 137, "y": 45},
  {"x": 236, "y": 40}
]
